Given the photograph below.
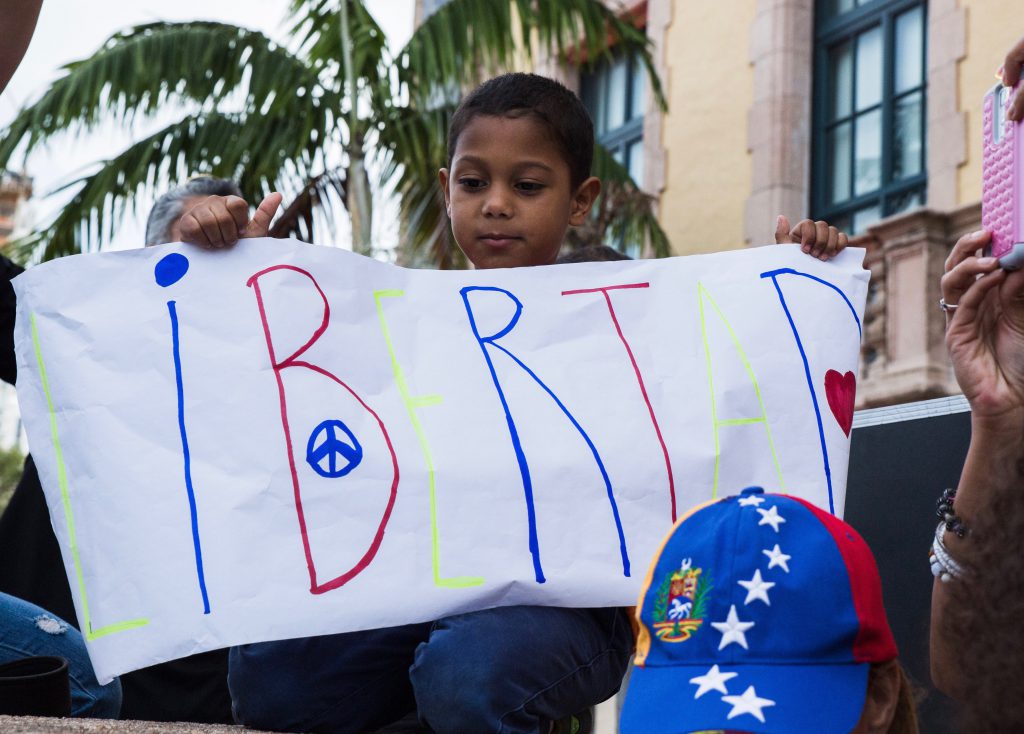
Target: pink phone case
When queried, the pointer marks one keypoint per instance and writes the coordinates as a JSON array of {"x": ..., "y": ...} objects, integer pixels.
[{"x": 1002, "y": 199}]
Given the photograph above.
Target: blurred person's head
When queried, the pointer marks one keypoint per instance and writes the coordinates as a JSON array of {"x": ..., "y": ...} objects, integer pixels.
[
  {"x": 162, "y": 224},
  {"x": 763, "y": 613}
]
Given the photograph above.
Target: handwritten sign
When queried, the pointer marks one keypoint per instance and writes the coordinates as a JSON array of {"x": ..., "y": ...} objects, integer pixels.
[{"x": 284, "y": 440}]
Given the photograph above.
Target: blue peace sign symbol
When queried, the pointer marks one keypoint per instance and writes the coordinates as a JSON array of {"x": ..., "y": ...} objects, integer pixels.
[{"x": 333, "y": 450}]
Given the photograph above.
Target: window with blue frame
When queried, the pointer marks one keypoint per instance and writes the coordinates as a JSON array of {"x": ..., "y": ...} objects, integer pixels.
[
  {"x": 869, "y": 110},
  {"x": 613, "y": 93}
]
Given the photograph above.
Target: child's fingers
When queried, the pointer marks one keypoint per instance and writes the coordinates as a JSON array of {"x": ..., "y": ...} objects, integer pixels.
[
  {"x": 966, "y": 246},
  {"x": 804, "y": 233},
  {"x": 190, "y": 230},
  {"x": 211, "y": 229},
  {"x": 260, "y": 224},
  {"x": 820, "y": 239},
  {"x": 782, "y": 230},
  {"x": 228, "y": 229},
  {"x": 832, "y": 247},
  {"x": 238, "y": 209},
  {"x": 223, "y": 220}
]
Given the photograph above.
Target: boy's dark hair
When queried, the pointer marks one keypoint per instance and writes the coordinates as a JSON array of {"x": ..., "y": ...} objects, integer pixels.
[
  {"x": 518, "y": 95},
  {"x": 592, "y": 254}
]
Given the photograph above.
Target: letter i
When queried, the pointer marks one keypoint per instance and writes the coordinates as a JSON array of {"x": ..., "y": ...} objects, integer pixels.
[{"x": 169, "y": 271}]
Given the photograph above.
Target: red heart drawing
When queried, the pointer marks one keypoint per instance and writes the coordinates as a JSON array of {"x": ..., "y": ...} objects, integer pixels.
[{"x": 841, "y": 391}]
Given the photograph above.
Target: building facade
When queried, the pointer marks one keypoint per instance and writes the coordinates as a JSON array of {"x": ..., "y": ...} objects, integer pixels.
[
  {"x": 863, "y": 112},
  {"x": 15, "y": 190}
]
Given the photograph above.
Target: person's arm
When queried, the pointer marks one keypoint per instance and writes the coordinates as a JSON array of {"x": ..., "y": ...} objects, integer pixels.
[
  {"x": 985, "y": 340},
  {"x": 19, "y": 22},
  {"x": 1012, "y": 66},
  {"x": 8, "y": 305}
]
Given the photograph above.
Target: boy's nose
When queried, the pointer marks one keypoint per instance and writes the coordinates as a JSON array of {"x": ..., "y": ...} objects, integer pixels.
[{"x": 498, "y": 203}]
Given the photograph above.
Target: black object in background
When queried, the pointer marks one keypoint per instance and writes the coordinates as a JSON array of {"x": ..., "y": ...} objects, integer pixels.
[
  {"x": 35, "y": 686},
  {"x": 897, "y": 471}
]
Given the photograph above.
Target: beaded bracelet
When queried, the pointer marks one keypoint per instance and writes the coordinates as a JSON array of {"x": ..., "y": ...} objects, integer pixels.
[
  {"x": 944, "y": 566},
  {"x": 945, "y": 512}
]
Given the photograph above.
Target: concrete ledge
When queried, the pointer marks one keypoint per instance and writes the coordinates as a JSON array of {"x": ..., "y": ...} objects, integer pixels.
[{"x": 42, "y": 725}]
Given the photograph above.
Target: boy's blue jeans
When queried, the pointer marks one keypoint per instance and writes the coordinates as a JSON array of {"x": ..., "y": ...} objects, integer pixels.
[
  {"x": 27, "y": 630},
  {"x": 500, "y": 670}
]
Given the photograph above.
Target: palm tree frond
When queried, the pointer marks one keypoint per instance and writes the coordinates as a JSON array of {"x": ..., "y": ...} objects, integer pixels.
[
  {"x": 317, "y": 25},
  {"x": 623, "y": 212},
  {"x": 589, "y": 31},
  {"x": 415, "y": 145},
  {"x": 323, "y": 191},
  {"x": 140, "y": 70},
  {"x": 256, "y": 159},
  {"x": 464, "y": 37}
]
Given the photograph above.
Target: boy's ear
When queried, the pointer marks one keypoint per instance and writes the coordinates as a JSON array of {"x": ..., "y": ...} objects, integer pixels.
[
  {"x": 442, "y": 177},
  {"x": 583, "y": 200}
]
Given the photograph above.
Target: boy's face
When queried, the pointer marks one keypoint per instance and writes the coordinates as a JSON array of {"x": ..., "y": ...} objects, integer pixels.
[{"x": 509, "y": 193}]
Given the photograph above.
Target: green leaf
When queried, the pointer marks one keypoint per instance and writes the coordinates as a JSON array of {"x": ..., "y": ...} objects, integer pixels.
[
  {"x": 259, "y": 159},
  {"x": 141, "y": 71}
]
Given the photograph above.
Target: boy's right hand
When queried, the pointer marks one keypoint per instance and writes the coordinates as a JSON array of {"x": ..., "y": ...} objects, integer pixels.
[{"x": 220, "y": 221}]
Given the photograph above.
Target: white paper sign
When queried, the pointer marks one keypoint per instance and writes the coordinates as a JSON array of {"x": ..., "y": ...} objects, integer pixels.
[{"x": 284, "y": 440}]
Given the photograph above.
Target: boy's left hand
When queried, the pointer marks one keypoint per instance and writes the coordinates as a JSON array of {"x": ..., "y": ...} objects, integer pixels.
[{"x": 817, "y": 239}]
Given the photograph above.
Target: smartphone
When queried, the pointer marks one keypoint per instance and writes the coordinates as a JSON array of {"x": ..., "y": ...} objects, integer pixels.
[{"x": 1002, "y": 198}]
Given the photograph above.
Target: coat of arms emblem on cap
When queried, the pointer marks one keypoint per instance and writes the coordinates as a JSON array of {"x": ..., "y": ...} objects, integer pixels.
[{"x": 679, "y": 603}]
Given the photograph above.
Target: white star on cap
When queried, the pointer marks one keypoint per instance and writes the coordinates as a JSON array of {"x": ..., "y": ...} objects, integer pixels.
[
  {"x": 757, "y": 588},
  {"x": 751, "y": 500},
  {"x": 748, "y": 703},
  {"x": 771, "y": 517},
  {"x": 777, "y": 558},
  {"x": 713, "y": 680},
  {"x": 733, "y": 630}
]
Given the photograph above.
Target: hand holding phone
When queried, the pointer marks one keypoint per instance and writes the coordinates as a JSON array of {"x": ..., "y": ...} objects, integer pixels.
[{"x": 1002, "y": 200}]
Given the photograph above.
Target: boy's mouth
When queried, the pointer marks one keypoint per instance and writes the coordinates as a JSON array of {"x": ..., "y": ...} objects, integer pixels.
[{"x": 498, "y": 239}]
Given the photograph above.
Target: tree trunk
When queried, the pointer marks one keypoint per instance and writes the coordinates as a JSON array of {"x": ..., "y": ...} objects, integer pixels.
[
  {"x": 360, "y": 204},
  {"x": 360, "y": 208}
]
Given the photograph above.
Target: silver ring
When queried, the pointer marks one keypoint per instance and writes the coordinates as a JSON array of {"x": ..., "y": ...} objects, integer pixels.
[{"x": 947, "y": 307}]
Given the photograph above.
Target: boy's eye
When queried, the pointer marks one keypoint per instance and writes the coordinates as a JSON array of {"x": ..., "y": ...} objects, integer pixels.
[
  {"x": 468, "y": 182},
  {"x": 529, "y": 187}
]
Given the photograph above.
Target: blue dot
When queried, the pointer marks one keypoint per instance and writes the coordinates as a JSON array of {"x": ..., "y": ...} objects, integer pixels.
[{"x": 170, "y": 269}]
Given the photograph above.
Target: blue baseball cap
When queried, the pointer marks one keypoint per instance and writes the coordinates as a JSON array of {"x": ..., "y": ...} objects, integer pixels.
[{"x": 761, "y": 613}]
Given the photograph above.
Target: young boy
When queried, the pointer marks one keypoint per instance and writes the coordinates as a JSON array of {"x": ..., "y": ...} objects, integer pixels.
[{"x": 518, "y": 175}]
